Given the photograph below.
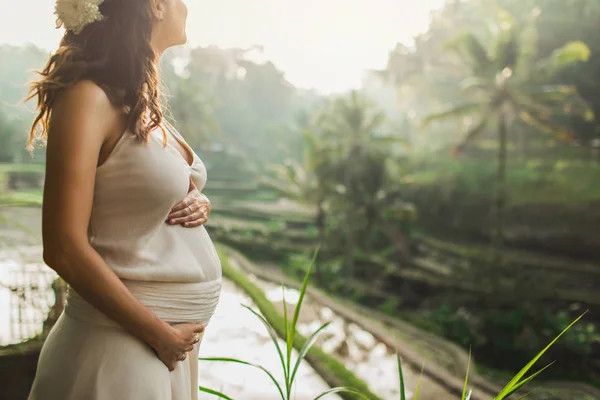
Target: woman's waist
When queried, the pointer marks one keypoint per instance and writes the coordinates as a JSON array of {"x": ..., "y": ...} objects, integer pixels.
[
  {"x": 173, "y": 253},
  {"x": 173, "y": 302}
]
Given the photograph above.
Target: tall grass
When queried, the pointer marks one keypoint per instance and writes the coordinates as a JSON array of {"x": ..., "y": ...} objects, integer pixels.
[
  {"x": 290, "y": 367},
  {"x": 515, "y": 384}
]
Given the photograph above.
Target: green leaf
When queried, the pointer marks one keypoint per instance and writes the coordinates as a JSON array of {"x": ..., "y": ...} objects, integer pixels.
[
  {"x": 514, "y": 381},
  {"x": 236, "y": 361},
  {"x": 464, "y": 393},
  {"x": 418, "y": 389},
  {"x": 527, "y": 380},
  {"x": 528, "y": 393},
  {"x": 341, "y": 389},
  {"x": 572, "y": 52},
  {"x": 273, "y": 336},
  {"x": 307, "y": 345},
  {"x": 401, "y": 377},
  {"x": 292, "y": 333},
  {"x": 288, "y": 350},
  {"x": 210, "y": 391}
]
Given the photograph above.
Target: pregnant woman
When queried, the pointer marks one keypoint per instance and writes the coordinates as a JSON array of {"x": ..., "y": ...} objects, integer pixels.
[{"x": 123, "y": 215}]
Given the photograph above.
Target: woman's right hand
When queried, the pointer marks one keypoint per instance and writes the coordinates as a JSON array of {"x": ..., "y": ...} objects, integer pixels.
[{"x": 179, "y": 340}]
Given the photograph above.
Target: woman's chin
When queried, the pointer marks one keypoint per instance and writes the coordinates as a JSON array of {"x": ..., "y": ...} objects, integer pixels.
[{"x": 180, "y": 41}]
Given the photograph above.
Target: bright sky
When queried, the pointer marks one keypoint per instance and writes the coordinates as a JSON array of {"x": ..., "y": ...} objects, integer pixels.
[{"x": 322, "y": 44}]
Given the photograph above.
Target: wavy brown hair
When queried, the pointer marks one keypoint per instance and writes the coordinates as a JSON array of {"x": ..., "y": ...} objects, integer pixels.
[{"x": 116, "y": 54}]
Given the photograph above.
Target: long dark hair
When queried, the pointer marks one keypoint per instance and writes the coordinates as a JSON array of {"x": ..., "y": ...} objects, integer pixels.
[{"x": 116, "y": 54}]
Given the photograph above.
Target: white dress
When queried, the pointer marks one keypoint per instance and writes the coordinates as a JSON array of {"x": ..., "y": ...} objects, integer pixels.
[{"x": 173, "y": 270}]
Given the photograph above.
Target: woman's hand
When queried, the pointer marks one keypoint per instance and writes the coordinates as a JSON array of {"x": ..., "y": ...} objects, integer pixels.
[
  {"x": 179, "y": 340},
  {"x": 190, "y": 212}
]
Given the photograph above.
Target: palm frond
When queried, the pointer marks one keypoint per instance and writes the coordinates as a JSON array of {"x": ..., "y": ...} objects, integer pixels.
[
  {"x": 562, "y": 58},
  {"x": 472, "y": 133},
  {"x": 453, "y": 113},
  {"x": 471, "y": 52},
  {"x": 553, "y": 92},
  {"x": 505, "y": 46},
  {"x": 540, "y": 124},
  {"x": 528, "y": 48},
  {"x": 475, "y": 83}
]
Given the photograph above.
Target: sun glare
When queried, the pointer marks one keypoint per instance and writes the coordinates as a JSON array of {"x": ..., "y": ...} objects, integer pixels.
[{"x": 325, "y": 45}]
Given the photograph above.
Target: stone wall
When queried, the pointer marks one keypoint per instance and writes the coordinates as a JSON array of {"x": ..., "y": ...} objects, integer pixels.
[
  {"x": 18, "y": 362},
  {"x": 17, "y": 369}
]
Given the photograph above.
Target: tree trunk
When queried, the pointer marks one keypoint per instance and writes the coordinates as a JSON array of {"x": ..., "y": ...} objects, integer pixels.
[
  {"x": 320, "y": 222},
  {"x": 500, "y": 201},
  {"x": 522, "y": 144}
]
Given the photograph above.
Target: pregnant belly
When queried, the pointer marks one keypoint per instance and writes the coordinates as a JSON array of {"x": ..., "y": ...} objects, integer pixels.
[
  {"x": 173, "y": 254},
  {"x": 175, "y": 302},
  {"x": 202, "y": 250},
  {"x": 172, "y": 302}
]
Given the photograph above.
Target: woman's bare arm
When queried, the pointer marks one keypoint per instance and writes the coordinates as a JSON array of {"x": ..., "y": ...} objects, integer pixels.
[{"x": 82, "y": 120}]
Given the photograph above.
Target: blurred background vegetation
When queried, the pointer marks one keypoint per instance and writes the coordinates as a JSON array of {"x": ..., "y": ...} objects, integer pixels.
[{"x": 457, "y": 190}]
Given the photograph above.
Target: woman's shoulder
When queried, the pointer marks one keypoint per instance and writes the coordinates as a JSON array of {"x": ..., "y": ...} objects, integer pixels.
[
  {"x": 85, "y": 107},
  {"x": 86, "y": 93},
  {"x": 86, "y": 99}
]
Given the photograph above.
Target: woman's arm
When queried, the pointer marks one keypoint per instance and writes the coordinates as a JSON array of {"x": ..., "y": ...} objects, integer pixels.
[{"x": 82, "y": 120}]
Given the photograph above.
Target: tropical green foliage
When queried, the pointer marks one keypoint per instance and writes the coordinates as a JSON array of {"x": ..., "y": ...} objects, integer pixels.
[
  {"x": 346, "y": 175},
  {"x": 507, "y": 85},
  {"x": 290, "y": 367}
]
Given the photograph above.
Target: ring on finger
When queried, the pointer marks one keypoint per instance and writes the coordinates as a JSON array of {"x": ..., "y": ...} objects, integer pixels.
[
  {"x": 196, "y": 338},
  {"x": 190, "y": 210}
]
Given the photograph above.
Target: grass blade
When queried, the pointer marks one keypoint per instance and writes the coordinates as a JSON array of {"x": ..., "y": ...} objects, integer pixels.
[
  {"x": 274, "y": 337},
  {"x": 236, "y": 361},
  {"x": 528, "y": 393},
  {"x": 401, "y": 376},
  {"x": 527, "y": 380},
  {"x": 339, "y": 390},
  {"x": 302, "y": 292},
  {"x": 285, "y": 313},
  {"x": 288, "y": 348},
  {"x": 464, "y": 393},
  {"x": 292, "y": 328},
  {"x": 416, "y": 396},
  {"x": 210, "y": 391},
  {"x": 309, "y": 342},
  {"x": 504, "y": 393}
]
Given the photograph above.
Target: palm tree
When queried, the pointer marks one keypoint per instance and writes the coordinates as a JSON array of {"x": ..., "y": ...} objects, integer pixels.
[
  {"x": 361, "y": 152},
  {"x": 508, "y": 84},
  {"x": 308, "y": 181}
]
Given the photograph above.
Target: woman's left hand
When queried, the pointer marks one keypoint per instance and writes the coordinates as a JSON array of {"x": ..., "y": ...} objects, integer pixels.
[{"x": 190, "y": 212}]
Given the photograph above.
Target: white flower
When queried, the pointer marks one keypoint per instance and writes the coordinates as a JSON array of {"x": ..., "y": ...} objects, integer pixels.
[{"x": 77, "y": 14}]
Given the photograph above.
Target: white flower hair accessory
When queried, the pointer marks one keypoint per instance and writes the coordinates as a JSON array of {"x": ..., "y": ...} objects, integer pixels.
[{"x": 75, "y": 15}]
